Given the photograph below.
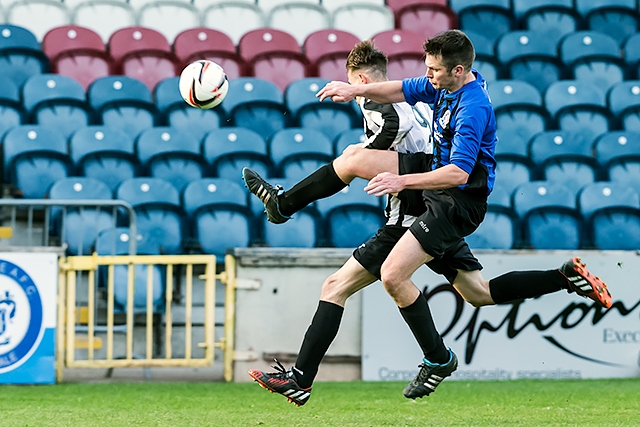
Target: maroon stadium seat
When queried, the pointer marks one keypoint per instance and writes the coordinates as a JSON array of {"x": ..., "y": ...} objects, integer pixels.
[
  {"x": 426, "y": 19},
  {"x": 77, "y": 52},
  {"x": 405, "y": 53},
  {"x": 143, "y": 54},
  {"x": 207, "y": 43},
  {"x": 397, "y": 5},
  {"x": 273, "y": 55},
  {"x": 327, "y": 51}
]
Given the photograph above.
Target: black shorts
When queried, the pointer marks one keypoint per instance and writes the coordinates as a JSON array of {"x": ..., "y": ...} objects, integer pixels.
[{"x": 413, "y": 163}]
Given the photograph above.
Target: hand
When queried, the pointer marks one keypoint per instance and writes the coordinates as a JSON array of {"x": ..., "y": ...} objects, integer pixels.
[
  {"x": 385, "y": 183},
  {"x": 337, "y": 92}
]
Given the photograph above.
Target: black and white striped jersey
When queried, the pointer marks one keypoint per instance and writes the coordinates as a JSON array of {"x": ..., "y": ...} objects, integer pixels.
[{"x": 402, "y": 128}]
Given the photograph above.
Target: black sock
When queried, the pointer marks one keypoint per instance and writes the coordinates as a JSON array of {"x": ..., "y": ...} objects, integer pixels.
[
  {"x": 323, "y": 329},
  {"x": 418, "y": 317},
  {"x": 517, "y": 285},
  {"x": 322, "y": 183}
]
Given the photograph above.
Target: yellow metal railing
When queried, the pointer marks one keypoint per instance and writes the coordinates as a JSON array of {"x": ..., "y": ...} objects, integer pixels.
[{"x": 98, "y": 333}]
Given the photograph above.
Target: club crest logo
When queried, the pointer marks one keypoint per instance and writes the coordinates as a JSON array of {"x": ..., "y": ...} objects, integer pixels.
[{"x": 20, "y": 316}]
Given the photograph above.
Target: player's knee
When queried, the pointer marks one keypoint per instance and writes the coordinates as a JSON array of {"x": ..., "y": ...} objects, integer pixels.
[
  {"x": 391, "y": 277},
  {"x": 333, "y": 290},
  {"x": 349, "y": 158}
]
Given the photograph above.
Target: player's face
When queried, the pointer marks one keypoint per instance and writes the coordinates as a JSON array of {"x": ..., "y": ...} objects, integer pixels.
[{"x": 438, "y": 74}]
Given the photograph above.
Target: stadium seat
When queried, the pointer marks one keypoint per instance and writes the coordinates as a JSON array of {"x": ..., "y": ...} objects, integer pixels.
[
  {"x": 143, "y": 54},
  {"x": 206, "y": 43},
  {"x": 564, "y": 157},
  {"x": 58, "y": 102},
  {"x": 234, "y": 18},
  {"x": 330, "y": 118},
  {"x": 623, "y": 100},
  {"x": 618, "y": 153},
  {"x": 489, "y": 18},
  {"x": 104, "y": 153},
  {"x": 273, "y": 55},
  {"x": 297, "y": 152},
  {"x": 346, "y": 138},
  {"x": 11, "y": 108},
  {"x": 38, "y": 16},
  {"x": 521, "y": 7},
  {"x": 351, "y": 216},
  {"x": 528, "y": 56},
  {"x": 552, "y": 22},
  {"x": 512, "y": 172},
  {"x": 170, "y": 154},
  {"x": 299, "y": 19},
  {"x": 332, "y": 5},
  {"x": 612, "y": 215},
  {"x": 404, "y": 52},
  {"x": 159, "y": 214},
  {"x": 179, "y": 115},
  {"x": 617, "y": 18},
  {"x": 123, "y": 102},
  {"x": 34, "y": 158},
  {"x": 485, "y": 62},
  {"x": 219, "y": 215},
  {"x": 227, "y": 150},
  {"x": 549, "y": 215},
  {"x": 362, "y": 19},
  {"x": 499, "y": 228},
  {"x": 578, "y": 106},
  {"x": 78, "y": 227},
  {"x": 91, "y": 14},
  {"x": 593, "y": 57},
  {"x": 77, "y": 52},
  {"x": 327, "y": 52},
  {"x": 169, "y": 17},
  {"x": 426, "y": 19},
  {"x": 631, "y": 55},
  {"x": 256, "y": 104},
  {"x": 20, "y": 54}
]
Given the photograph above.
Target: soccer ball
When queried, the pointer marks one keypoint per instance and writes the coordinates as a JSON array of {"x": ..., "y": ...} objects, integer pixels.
[{"x": 203, "y": 84}]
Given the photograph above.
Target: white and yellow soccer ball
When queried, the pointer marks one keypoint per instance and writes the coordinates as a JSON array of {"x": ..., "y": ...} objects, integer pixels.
[{"x": 203, "y": 84}]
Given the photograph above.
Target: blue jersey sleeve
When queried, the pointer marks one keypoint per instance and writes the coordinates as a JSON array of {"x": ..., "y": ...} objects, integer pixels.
[
  {"x": 468, "y": 135},
  {"x": 418, "y": 89}
]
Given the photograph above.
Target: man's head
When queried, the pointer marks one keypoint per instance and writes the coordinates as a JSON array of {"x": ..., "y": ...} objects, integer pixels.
[
  {"x": 449, "y": 57},
  {"x": 366, "y": 64}
]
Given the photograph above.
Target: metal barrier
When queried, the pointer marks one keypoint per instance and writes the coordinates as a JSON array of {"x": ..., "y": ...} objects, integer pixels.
[{"x": 68, "y": 345}]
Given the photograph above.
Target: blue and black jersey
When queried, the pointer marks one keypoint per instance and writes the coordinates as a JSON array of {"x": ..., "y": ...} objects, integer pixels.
[{"x": 464, "y": 129}]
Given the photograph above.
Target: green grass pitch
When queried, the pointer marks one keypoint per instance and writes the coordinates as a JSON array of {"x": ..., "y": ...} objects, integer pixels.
[{"x": 583, "y": 403}]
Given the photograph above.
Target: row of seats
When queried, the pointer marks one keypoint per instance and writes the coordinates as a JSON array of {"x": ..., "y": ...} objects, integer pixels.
[
  {"x": 209, "y": 215},
  {"x": 235, "y": 18},
  {"x": 552, "y": 215}
]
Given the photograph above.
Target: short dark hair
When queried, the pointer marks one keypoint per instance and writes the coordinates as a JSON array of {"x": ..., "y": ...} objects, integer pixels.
[
  {"x": 454, "y": 47},
  {"x": 365, "y": 55}
]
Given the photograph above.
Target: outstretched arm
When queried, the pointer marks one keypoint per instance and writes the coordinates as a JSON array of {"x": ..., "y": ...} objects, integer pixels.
[
  {"x": 448, "y": 176},
  {"x": 381, "y": 92}
]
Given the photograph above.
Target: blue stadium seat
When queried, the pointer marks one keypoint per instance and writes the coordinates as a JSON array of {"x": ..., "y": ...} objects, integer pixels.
[
  {"x": 180, "y": 115},
  {"x": 623, "y": 100},
  {"x": 227, "y": 150},
  {"x": 330, "y": 118},
  {"x": 528, "y": 56},
  {"x": 351, "y": 216},
  {"x": 115, "y": 241},
  {"x": 564, "y": 157},
  {"x": 104, "y": 153},
  {"x": 296, "y": 152},
  {"x": 618, "y": 153},
  {"x": 219, "y": 215},
  {"x": 486, "y": 62},
  {"x": 256, "y": 104},
  {"x": 158, "y": 211},
  {"x": 617, "y": 18},
  {"x": 511, "y": 172},
  {"x": 11, "y": 109},
  {"x": 490, "y": 18},
  {"x": 123, "y": 103},
  {"x": 20, "y": 54},
  {"x": 549, "y": 216},
  {"x": 593, "y": 57},
  {"x": 499, "y": 228},
  {"x": 346, "y": 138},
  {"x": 522, "y": 7},
  {"x": 612, "y": 214},
  {"x": 78, "y": 227},
  {"x": 170, "y": 154},
  {"x": 631, "y": 55},
  {"x": 58, "y": 102},
  {"x": 552, "y": 22},
  {"x": 578, "y": 106},
  {"x": 34, "y": 158}
]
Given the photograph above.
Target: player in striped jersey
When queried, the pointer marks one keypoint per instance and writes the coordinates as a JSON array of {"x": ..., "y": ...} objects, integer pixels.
[{"x": 397, "y": 127}]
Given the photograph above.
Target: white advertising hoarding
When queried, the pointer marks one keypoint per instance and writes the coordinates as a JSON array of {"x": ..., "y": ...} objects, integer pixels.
[{"x": 558, "y": 335}]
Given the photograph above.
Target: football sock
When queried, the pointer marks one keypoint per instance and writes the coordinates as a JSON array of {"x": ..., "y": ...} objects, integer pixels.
[
  {"x": 322, "y": 183},
  {"x": 418, "y": 317},
  {"x": 517, "y": 285},
  {"x": 321, "y": 333}
]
